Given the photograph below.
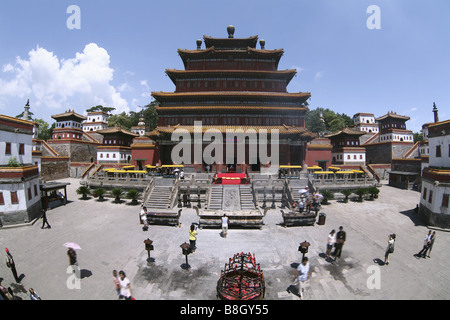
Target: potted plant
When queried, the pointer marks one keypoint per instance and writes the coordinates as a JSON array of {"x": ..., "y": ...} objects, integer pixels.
[
  {"x": 327, "y": 195},
  {"x": 346, "y": 193},
  {"x": 84, "y": 191},
  {"x": 133, "y": 195},
  {"x": 117, "y": 193},
  {"x": 373, "y": 191},
  {"x": 100, "y": 192},
  {"x": 361, "y": 192}
]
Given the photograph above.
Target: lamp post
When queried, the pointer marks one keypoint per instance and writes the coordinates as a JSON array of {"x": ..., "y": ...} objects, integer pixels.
[
  {"x": 149, "y": 247},
  {"x": 186, "y": 250},
  {"x": 303, "y": 248}
]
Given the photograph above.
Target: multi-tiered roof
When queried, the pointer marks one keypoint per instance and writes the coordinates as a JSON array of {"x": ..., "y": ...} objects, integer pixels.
[{"x": 231, "y": 84}]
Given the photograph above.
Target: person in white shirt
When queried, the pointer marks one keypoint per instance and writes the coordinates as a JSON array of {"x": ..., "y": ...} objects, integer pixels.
[
  {"x": 425, "y": 245},
  {"x": 390, "y": 248},
  {"x": 330, "y": 243},
  {"x": 302, "y": 275},
  {"x": 144, "y": 218},
  {"x": 125, "y": 287},
  {"x": 224, "y": 225}
]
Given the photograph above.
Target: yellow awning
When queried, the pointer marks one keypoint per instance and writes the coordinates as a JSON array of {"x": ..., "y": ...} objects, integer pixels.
[
  {"x": 315, "y": 168},
  {"x": 334, "y": 168},
  {"x": 358, "y": 171},
  {"x": 290, "y": 167},
  {"x": 128, "y": 167},
  {"x": 344, "y": 172},
  {"x": 150, "y": 167},
  {"x": 324, "y": 172},
  {"x": 173, "y": 166}
]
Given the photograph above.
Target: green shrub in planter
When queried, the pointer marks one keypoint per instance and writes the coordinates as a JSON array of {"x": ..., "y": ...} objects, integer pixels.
[
  {"x": 327, "y": 195},
  {"x": 133, "y": 195},
  {"x": 361, "y": 192},
  {"x": 373, "y": 191},
  {"x": 117, "y": 193},
  {"x": 346, "y": 193},
  {"x": 100, "y": 192},
  {"x": 84, "y": 191}
]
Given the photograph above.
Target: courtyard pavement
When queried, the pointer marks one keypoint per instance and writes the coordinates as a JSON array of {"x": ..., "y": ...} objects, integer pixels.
[{"x": 112, "y": 238}]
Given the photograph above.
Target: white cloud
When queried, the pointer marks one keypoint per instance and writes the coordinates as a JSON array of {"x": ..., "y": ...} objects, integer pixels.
[
  {"x": 318, "y": 75},
  {"x": 78, "y": 83}
]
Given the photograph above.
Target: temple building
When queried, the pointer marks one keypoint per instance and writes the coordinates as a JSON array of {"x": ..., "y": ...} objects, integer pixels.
[
  {"x": 393, "y": 141},
  {"x": 346, "y": 148},
  {"x": 71, "y": 150},
  {"x": 19, "y": 176},
  {"x": 232, "y": 85},
  {"x": 96, "y": 121},
  {"x": 116, "y": 147},
  {"x": 365, "y": 122},
  {"x": 143, "y": 149},
  {"x": 434, "y": 202}
]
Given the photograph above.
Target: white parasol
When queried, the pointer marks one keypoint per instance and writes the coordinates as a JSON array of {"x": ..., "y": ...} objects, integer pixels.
[{"x": 72, "y": 245}]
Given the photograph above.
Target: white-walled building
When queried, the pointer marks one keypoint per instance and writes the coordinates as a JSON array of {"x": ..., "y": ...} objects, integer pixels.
[
  {"x": 434, "y": 201},
  {"x": 365, "y": 122},
  {"x": 96, "y": 121},
  {"x": 346, "y": 147},
  {"x": 116, "y": 147},
  {"x": 19, "y": 177}
]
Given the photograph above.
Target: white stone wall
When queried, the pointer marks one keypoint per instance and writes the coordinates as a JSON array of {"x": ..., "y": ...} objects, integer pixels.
[
  {"x": 444, "y": 159},
  {"x": 438, "y": 189},
  {"x": 22, "y": 195},
  {"x": 16, "y": 139}
]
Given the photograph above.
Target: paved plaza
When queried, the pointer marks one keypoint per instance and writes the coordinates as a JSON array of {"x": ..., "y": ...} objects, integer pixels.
[{"x": 112, "y": 238}]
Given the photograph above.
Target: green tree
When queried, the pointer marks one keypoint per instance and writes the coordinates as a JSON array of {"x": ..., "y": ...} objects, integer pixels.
[
  {"x": 100, "y": 192},
  {"x": 117, "y": 193},
  {"x": 133, "y": 195},
  {"x": 84, "y": 191},
  {"x": 346, "y": 193},
  {"x": 101, "y": 108},
  {"x": 45, "y": 131},
  {"x": 123, "y": 120},
  {"x": 331, "y": 121},
  {"x": 418, "y": 136}
]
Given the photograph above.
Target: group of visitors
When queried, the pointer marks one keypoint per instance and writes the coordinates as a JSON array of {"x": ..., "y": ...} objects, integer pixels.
[{"x": 308, "y": 202}]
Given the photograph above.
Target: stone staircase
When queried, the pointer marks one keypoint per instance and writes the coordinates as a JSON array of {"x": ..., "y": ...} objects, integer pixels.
[
  {"x": 246, "y": 197},
  {"x": 296, "y": 185},
  {"x": 215, "y": 199},
  {"x": 160, "y": 196}
]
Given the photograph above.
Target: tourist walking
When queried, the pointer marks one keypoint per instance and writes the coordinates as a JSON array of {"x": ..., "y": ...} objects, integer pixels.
[
  {"x": 72, "y": 258},
  {"x": 224, "y": 226},
  {"x": 193, "y": 237},
  {"x": 330, "y": 243},
  {"x": 426, "y": 243},
  {"x": 302, "y": 275},
  {"x": 125, "y": 287},
  {"x": 34, "y": 295},
  {"x": 341, "y": 237},
  {"x": 144, "y": 218},
  {"x": 390, "y": 248},
  {"x": 44, "y": 219},
  {"x": 301, "y": 206},
  {"x": 11, "y": 264},
  {"x": 116, "y": 282},
  {"x": 430, "y": 246}
]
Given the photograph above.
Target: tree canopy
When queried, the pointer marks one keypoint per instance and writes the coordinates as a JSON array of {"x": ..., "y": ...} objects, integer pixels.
[
  {"x": 332, "y": 121},
  {"x": 126, "y": 121}
]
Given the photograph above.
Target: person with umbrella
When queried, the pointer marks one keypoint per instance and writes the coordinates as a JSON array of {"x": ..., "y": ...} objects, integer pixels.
[{"x": 72, "y": 254}]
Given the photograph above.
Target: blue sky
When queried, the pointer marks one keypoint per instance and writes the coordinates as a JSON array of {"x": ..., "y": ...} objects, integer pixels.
[{"x": 123, "y": 47}]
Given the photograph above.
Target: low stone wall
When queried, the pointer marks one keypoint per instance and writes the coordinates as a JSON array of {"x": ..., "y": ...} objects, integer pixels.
[
  {"x": 434, "y": 219},
  {"x": 22, "y": 216}
]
